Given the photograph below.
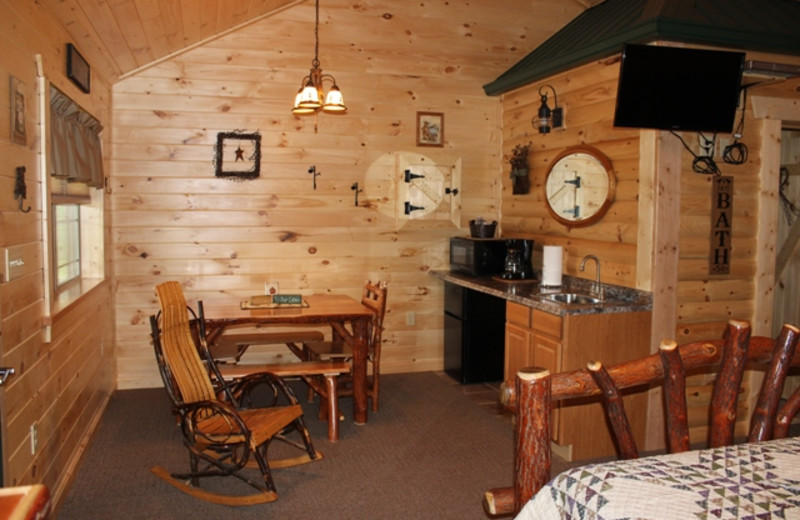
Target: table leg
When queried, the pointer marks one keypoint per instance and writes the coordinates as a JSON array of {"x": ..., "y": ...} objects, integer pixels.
[{"x": 360, "y": 332}]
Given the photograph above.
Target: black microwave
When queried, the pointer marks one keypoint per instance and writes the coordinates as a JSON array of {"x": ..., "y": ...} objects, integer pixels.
[{"x": 477, "y": 256}]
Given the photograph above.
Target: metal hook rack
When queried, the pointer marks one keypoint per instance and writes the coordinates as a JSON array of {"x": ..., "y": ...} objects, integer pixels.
[
  {"x": 20, "y": 190},
  {"x": 354, "y": 187},
  {"x": 314, "y": 174}
]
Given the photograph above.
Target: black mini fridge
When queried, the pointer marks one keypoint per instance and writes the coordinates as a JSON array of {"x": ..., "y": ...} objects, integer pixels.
[{"x": 474, "y": 335}]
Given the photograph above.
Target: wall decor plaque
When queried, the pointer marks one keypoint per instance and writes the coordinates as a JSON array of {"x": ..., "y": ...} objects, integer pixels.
[
  {"x": 78, "y": 69},
  {"x": 17, "y": 104},
  {"x": 430, "y": 129},
  {"x": 719, "y": 258},
  {"x": 238, "y": 155}
]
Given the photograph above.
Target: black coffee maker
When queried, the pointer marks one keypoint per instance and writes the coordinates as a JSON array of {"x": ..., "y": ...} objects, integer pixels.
[{"x": 518, "y": 264}]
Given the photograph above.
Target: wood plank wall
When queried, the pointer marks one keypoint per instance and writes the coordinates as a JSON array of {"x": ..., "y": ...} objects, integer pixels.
[
  {"x": 587, "y": 94},
  {"x": 60, "y": 386},
  {"x": 704, "y": 303},
  {"x": 175, "y": 221}
]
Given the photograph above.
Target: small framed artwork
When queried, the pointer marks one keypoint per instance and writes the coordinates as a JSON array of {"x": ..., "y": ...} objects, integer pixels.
[
  {"x": 78, "y": 69},
  {"x": 238, "y": 155},
  {"x": 430, "y": 129},
  {"x": 17, "y": 104}
]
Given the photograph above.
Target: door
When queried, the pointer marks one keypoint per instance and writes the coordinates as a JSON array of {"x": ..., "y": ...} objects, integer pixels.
[{"x": 786, "y": 303}]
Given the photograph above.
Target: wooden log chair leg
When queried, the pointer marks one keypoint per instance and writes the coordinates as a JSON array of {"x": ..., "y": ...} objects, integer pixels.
[
  {"x": 729, "y": 380},
  {"x": 615, "y": 410},
  {"x": 675, "y": 397},
  {"x": 763, "y": 420}
]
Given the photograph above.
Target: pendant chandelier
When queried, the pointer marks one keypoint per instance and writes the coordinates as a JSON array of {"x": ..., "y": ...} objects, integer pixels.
[{"x": 310, "y": 99}]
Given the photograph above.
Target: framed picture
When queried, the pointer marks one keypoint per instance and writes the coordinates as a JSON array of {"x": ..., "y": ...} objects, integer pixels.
[
  {"x": 17, "y": 104},
  {"x": 238, "y": 155},
  {"x": 77, "y": 68},
  {"x": 430, "y": 129}
]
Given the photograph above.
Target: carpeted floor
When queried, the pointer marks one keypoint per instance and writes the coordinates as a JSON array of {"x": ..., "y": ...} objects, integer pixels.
[{"x": 430, "y": 453}]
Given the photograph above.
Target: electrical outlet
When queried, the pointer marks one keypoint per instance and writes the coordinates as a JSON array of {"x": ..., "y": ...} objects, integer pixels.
[
  {"x": 34, "y": 438},
  {"x": 411, "y": 318},
  {"x": 722, "y": 143}
]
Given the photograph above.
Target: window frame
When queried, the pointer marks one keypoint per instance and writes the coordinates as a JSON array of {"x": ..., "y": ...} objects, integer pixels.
[{"x": 74, "y": 243}]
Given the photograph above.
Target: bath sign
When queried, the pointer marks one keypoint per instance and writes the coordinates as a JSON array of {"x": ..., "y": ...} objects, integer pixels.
[{"x": 719, "y": 259}]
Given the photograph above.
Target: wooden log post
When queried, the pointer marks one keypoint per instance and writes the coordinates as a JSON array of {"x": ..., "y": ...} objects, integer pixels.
[
  {"x": 676, "y": 415},
  {"x": 786, "y": 414},
  {"x": 533, "y": 431},
  {"x": 728, "y": 384},
  {"x": 762, "y": 423},
  {"x": 615, "y": 410}
]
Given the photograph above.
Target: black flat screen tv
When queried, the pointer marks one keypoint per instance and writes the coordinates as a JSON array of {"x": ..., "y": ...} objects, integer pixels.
[{"x": 669, "y": 88}]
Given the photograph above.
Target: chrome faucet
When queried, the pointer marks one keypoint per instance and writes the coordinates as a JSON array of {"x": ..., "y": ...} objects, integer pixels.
[{"x": 597, "y": 288}]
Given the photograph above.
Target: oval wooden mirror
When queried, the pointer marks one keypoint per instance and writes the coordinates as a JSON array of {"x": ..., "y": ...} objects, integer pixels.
[{"x": 580, "y": 186}]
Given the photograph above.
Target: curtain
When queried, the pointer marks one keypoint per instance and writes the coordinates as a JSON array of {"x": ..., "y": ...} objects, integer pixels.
[{"x": 75, "y": 151}]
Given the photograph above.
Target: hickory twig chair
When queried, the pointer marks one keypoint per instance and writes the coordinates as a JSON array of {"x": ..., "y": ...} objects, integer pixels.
[
  {"x": 223, "y": 431},
  {"x": 536, "y": 392},
  {"x": 373, "y": 295}
]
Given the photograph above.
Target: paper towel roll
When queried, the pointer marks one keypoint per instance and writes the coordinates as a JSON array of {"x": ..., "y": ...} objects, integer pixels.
[{"x": 551, "y": 265}]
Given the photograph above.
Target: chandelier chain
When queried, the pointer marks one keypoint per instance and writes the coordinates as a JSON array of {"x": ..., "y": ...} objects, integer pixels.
[{"x": 315, "y": 63}]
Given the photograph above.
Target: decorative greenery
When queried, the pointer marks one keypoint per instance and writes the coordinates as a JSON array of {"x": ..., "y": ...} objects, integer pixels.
[{"x": 519, "y": 157}]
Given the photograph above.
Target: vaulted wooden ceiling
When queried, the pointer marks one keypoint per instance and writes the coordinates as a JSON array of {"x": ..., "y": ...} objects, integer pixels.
[{"x": 121, "y": 36}]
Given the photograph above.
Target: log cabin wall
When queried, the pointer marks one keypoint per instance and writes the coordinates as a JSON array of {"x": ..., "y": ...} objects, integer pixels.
[
  {"x": 588, "y": 96},
  {"x": 175, "y": 221},
  {"x": 692, "y": 304},
  {"x": 61, "y": 385}
]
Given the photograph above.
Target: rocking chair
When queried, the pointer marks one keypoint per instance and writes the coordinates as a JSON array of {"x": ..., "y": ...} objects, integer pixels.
[{"x": 222, "y": 429}]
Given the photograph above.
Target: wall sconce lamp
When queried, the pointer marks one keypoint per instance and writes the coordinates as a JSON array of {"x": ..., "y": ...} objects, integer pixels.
[{"x": 546, "y": 118}]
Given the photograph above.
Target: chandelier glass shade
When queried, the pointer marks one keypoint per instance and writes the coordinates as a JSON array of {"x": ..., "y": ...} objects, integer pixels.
[{"x": 311, "y": 97}]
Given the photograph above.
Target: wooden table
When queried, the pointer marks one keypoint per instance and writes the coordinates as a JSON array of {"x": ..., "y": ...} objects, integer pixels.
[
  {"x": 334, "y": 310},
  {"x": 756, "y": 480}
]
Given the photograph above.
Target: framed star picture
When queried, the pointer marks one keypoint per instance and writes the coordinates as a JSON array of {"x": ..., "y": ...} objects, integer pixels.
[{"x": 238, "y": 155}]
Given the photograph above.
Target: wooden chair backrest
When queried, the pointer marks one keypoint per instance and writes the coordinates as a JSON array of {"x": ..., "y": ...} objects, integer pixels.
[
  {"x": 373, "y": 296},
  {"x": 536, "y": 390},
  {"x": 179, "y": 349}
]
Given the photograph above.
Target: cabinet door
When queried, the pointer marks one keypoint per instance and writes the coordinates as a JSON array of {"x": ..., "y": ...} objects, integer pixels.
[
  {"x": 518, "y": 350},
  {"x": 547, "y": 353}
]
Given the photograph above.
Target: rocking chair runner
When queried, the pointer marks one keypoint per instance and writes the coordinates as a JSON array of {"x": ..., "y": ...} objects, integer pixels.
[
  {"x": 537, "y": 391},
  {"x": 222, "y": 436}
]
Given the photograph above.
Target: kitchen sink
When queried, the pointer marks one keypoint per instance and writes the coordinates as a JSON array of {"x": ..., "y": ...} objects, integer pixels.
[{"x": 572, "y": 298}]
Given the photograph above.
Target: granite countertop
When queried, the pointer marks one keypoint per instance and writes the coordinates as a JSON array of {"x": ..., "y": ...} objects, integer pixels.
[{"x": 616, "y": 298}]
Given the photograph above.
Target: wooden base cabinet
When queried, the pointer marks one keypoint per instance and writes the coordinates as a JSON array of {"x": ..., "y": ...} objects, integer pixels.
[{"x": 561, "y": 343}]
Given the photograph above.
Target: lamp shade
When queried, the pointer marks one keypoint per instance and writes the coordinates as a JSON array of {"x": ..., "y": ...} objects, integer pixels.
[
  {"x": 544, "y": 117},
  {"x": 334, "y": 102},
  {"x": 309, "y": 97}
]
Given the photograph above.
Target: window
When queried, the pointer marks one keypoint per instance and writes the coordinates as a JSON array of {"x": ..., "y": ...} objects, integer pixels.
[
  {"x": 67, "y": 239},
  {"x": 74, "y": 221}
]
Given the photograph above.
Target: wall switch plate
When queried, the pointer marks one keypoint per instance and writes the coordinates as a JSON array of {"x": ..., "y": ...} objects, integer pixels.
[
  {"x": 34, "y": 438},
  {"x": 13, "y": 262}
]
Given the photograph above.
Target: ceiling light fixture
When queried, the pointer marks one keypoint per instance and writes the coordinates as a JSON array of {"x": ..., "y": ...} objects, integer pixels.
[
  {"x": 546, "y": 118},
  {"x": 310, "y": 98}
]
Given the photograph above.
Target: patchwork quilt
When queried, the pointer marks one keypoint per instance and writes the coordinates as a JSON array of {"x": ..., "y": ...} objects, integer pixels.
[{"x": 746, "y": 481}]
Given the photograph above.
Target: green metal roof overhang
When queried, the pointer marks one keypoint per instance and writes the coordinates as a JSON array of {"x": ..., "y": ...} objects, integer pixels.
[{"x": 602, "y": 31}]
